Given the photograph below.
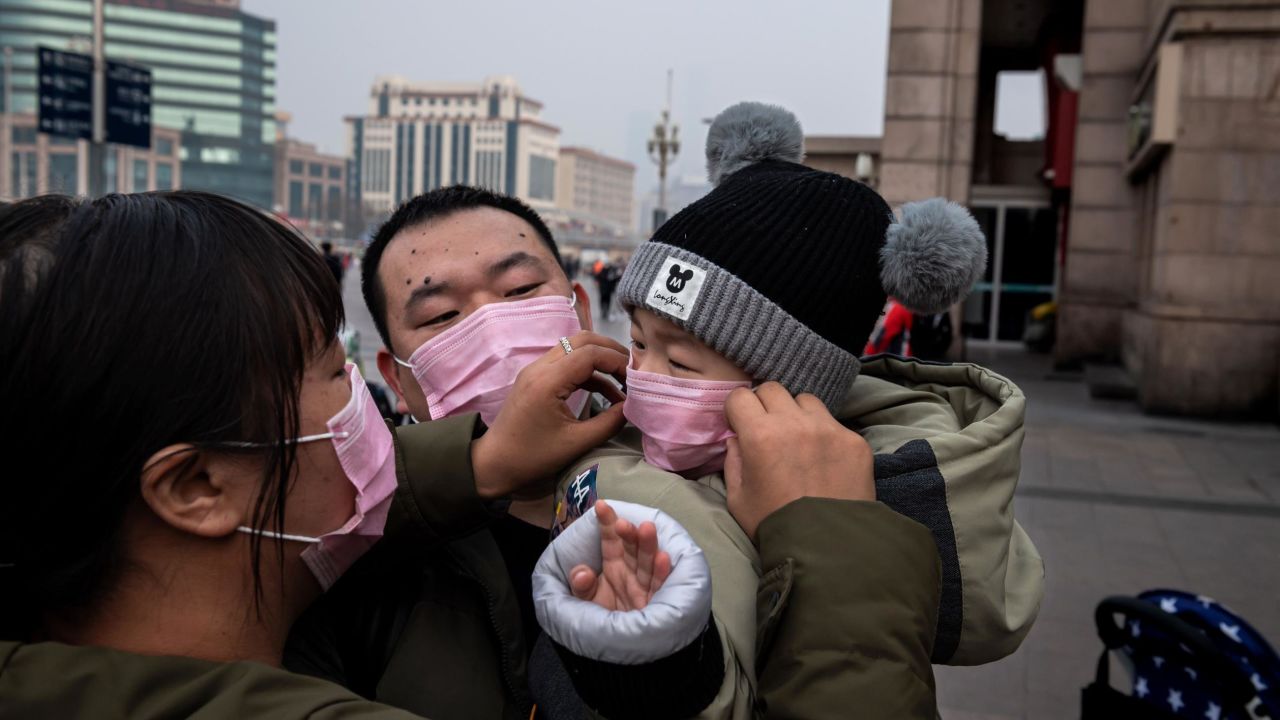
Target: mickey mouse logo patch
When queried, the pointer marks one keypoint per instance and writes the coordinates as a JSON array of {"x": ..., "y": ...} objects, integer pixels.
[
  {"x": 676, "y": 288},
  {"x": 677, "y": 278}
]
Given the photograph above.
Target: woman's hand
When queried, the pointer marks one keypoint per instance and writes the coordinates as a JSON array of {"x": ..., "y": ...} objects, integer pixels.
[{"x": 788, "y": 448}]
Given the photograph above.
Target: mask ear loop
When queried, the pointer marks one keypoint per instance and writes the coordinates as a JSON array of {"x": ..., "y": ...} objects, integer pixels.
[
  {"x": 277, "y": 535},
  {"x": 295, "y": 441}
]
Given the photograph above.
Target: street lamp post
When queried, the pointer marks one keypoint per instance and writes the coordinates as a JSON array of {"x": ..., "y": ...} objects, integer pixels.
[
  {"x": 663, "y": 148},
  {"x": 97, "y": 180},
  {"x": 6, "y": 130}
]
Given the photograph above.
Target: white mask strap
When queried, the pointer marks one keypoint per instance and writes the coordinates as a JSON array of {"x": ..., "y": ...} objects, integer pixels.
[
  {"x": 321, "y": 436},
  {"x": 401, "y": 362},
  {"x": 277, "y": 536},
  {"x": 295, "y": 441}
]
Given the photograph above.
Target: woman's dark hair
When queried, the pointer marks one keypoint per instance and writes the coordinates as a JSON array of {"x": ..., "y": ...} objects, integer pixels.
[{"x": 127, "y": 324}]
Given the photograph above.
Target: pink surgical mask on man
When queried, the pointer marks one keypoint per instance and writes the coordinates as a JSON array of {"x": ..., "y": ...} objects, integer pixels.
[
  {"x": 472, "y": 366},
  {"x": 683, "y": 422},
  {"x": 366, "y": 451}
]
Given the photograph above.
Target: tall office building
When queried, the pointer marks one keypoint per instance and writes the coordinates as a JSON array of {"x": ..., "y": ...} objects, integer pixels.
[
  {"x": 420, "y": 136},
  {"x": 212, "y": 68}
]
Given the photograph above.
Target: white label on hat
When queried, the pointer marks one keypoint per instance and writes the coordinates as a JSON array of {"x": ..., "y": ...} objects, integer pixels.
[{"x": 675, "y": 290}]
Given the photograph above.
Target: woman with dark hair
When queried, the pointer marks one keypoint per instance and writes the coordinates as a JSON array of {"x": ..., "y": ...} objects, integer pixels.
[{"x": 189, "y": 462}]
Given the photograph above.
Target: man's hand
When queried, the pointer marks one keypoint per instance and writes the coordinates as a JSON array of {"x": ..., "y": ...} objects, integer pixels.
[
  {"x": 787, "y": 449},
  {"x": 534, "y": 434},
  {"x": 633, "y": 567}
]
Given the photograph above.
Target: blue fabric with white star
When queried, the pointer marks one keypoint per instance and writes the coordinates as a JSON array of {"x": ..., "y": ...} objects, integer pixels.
[{"x": 1174, "y": 683}]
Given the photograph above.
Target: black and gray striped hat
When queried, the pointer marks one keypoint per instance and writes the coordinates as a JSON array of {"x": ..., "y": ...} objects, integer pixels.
[{"x": 784, "y": 269}]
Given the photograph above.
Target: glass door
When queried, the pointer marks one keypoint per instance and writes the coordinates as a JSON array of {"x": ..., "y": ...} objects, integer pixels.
[{"x": 1021, "y": 267}]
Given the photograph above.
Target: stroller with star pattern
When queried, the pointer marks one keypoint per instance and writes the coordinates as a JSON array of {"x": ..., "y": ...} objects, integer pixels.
[{"x": 1188, "y": 657}]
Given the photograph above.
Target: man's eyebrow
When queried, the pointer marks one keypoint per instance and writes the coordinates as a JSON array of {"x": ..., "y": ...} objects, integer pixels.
[
  {"x": 516, "y": 259},
  {"x": 425, "y": 291}
]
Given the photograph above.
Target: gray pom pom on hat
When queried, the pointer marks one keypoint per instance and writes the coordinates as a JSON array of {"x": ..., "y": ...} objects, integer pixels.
[
  {"x": 748, "y": 133},
  {"x": 933, "y": 256}
]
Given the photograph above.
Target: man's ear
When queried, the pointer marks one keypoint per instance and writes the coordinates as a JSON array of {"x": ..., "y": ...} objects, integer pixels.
[
  {"x": 193, "y": 491},
  {"x": 390, "y": 370},
  {"x": 584, "y": 305}
]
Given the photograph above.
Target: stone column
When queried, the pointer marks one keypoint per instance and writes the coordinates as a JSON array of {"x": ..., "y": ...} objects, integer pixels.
[
  {"x": 1205, "y": 336},
  {"x": 930, "y": 97},
  {"x": 1100, "y": 275}
]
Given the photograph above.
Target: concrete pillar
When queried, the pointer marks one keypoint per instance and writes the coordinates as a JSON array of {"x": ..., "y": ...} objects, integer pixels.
[
  {"x": 1204, "y": 338},
  {"x": 931, "y": 93},
  {"x": 1100, "y": 274}
]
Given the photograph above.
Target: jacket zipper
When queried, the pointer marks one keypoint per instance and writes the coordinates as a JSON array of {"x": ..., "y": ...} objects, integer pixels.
[{"x": 502, "y": 647}]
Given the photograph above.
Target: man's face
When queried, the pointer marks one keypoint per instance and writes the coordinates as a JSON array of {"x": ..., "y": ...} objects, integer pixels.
[{"x": 436, "y": 274}]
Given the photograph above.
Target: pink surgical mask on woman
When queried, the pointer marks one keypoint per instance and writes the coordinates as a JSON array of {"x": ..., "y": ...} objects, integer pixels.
[
  {"x": 472, "y": 366},
  {"x": 685, "y": 430},
  {"x": 366, "y": 451}
]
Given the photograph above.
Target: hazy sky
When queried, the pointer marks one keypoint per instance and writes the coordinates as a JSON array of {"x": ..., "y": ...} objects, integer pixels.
[{"x": 599, "y": 67}]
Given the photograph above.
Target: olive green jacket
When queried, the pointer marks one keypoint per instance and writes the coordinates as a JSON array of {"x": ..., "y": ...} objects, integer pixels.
[
  {"x": 52, "y": 680},
  {"x": 879, "y": 628},
  {"x": 426, "y": 639},
  {"x": 947, "y": 440},
  {"x": 428, "y": 621},
  {"x": 848, "y": 633}
]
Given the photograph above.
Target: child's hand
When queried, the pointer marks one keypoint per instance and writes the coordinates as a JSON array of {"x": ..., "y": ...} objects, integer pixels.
[{"x": 633, "y": 567}]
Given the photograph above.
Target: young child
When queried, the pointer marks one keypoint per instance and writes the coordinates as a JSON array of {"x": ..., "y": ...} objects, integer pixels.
[{"x": 779, "y": 274}]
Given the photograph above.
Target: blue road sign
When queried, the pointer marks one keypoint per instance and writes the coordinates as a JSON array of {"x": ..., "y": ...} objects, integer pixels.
[
  {"x": 66, "y": 94},
  {"x": 128, "y": 104}
]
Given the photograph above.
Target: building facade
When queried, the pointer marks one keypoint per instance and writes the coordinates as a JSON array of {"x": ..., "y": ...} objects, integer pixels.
[
  {"x": 213, "y": 77},
  {"x": 42, "y": 163},
  {"x": 1149, "y": 208},
  {"x": 853, "y": 156},
  {"x": 420, "y": 136},
  {"x": 595, "y": 185},
  {"x": 310, "y": 187}
]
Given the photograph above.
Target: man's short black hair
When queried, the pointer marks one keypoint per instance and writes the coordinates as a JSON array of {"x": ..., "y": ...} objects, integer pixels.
[
  {"x": 326, "y": 247},
  {"x": 434, "y": 205}
]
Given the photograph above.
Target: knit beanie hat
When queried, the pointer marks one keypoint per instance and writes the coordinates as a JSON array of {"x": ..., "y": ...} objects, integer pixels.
[{"x": 784, "y": 269}]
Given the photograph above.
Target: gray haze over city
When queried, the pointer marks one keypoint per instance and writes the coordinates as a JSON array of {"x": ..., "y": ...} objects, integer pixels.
[{"x": 600, "y": 68}]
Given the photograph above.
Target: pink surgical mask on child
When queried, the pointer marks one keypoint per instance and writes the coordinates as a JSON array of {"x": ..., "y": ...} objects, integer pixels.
[
  {"x": 685, "y": 430},
  {"x": 472, "y": 366}
]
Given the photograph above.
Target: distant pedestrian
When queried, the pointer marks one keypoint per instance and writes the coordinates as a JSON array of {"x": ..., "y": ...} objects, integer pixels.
[
  {"x": 333, "y": 261},
  {"x": 892, "y": 333},
  {"x": 606, "y": 282}
]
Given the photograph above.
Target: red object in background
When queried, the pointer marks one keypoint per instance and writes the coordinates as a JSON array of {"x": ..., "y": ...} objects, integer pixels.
[
  {"x": 1062, "y": 131},
  {"x": 892, "y": 333}
]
